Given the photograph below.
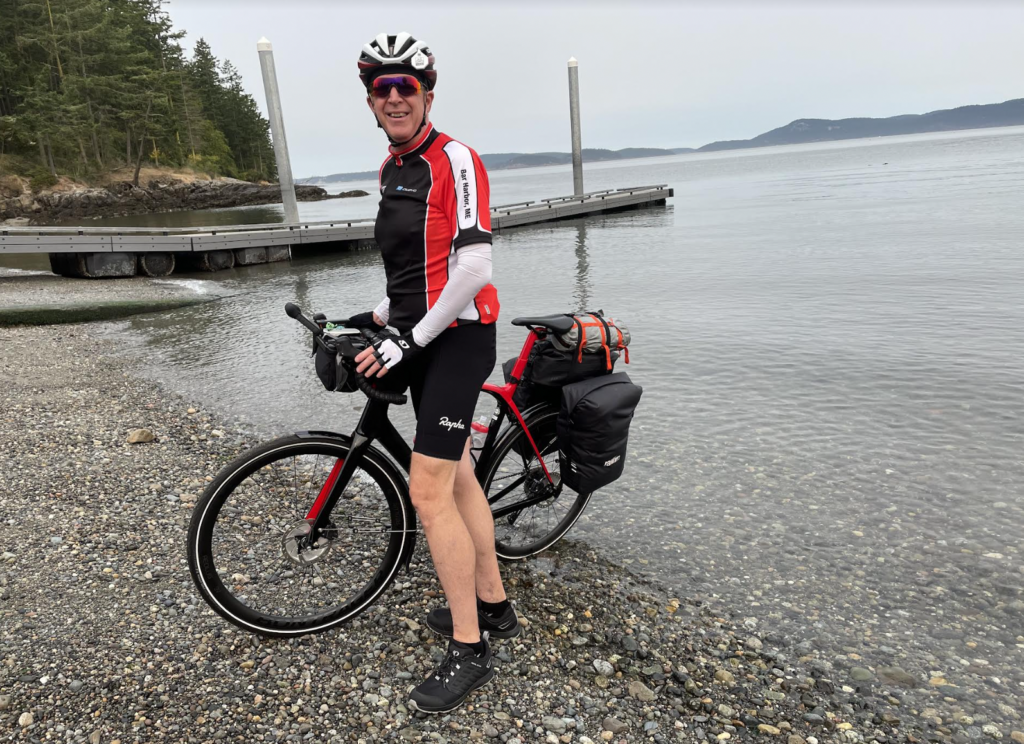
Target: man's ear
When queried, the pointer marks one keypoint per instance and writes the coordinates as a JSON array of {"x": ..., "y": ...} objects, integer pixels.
[
  {"x": 428, "y": 100},
  {"x": 369, "y": 102}
]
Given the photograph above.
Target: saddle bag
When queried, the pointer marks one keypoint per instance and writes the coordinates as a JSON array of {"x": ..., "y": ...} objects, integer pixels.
[
  {"x": 592, "y": 333},
  {"x": 593, "y": 430}
]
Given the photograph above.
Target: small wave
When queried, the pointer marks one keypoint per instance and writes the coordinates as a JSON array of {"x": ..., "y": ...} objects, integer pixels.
[
  {"x": 199, "y": 286},
  {"x": 5, "y": 271}
]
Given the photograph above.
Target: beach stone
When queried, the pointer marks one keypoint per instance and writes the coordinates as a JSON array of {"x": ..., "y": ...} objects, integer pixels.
[
  {"x": 490, "y": 732},
  {"x": 1017, "y": 736},
  {"x": 753, "y": 643},
  {"x": 860, "y": 674},
  {"x": 603, "y": 668},
  {"x": 140, "y": 436},
  {"x": 5, "y": 702},
  {"x": 897, "y": 676},
  {"x": 25, "y": 719},
  {"x": 641, "y": 692},
  {"x": 724, "y": 676},
  {"x": 765, "y": 728},
  {"x": 794, "y": 739},
  {"x": 553, "y": 724},
  {"x": 614, "y": 725}
]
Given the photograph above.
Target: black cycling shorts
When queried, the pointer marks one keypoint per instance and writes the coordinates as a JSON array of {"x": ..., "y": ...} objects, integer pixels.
[{"x": 444, "y": 383}]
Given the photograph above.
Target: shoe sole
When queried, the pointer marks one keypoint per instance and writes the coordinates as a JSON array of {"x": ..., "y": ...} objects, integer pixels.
[
  {"x": 503, "y": 634},
  {"x": 483, "y": 683}
]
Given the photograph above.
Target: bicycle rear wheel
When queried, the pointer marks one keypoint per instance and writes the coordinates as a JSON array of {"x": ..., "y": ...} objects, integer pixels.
[
  {"x": 514, "y": 475},
  {"x": 248, "y": 551}
]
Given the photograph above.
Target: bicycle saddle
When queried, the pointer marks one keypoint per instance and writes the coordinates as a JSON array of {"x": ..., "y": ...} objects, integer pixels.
[{"x": 556, "y": 323}]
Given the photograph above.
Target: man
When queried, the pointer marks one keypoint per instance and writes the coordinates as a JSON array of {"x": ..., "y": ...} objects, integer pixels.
[{"x": 434, "y": 231}]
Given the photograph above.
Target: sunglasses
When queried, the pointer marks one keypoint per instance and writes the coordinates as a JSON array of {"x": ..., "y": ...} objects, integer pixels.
[{"x": 406, "y": 85}]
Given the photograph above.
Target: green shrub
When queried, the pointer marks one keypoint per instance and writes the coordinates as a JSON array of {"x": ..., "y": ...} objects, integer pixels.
[{"x": 41, "y": 179}]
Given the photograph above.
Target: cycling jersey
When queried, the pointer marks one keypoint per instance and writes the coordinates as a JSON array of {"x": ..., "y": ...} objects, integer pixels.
[{"x": 434, "y": 200}]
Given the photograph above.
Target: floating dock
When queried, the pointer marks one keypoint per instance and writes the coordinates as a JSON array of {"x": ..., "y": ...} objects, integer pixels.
[{"x": 126, "y": 251}]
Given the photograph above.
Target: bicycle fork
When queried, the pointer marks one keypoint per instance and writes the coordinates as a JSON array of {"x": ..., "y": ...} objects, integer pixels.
[{"x": 373, "y": 425}]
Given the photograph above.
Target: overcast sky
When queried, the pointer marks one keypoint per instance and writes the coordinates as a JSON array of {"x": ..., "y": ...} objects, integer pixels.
[{"x": 652, "y": 74}]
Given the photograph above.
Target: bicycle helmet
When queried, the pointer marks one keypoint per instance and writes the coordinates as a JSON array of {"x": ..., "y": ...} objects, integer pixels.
[{"x": 389, "y": 53}]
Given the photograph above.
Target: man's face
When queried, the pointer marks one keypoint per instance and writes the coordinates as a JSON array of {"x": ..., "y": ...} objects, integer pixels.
[{"x": 401, "y": 115}]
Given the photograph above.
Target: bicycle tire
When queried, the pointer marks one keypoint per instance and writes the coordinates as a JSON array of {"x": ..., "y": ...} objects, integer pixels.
[
  {"x": 370, "y": 530},
  {"x": 544, "y": 524}
]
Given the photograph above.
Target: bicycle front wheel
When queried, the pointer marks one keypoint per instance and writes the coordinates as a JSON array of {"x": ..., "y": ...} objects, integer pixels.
[
  {"x": 515, "y": 477},
  {"x": 252, "y": 557}
]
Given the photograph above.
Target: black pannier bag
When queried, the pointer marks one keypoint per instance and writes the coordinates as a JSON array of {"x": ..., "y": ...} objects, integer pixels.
[
  {"x": 549, "y": 369},
  {"x": 593, "y": 430}
]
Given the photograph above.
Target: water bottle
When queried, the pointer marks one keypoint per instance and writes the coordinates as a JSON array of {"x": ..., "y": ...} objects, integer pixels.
[{"x": 478, "y": 435}]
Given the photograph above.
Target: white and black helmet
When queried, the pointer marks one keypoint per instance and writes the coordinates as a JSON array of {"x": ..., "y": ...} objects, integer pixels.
[{"x": 397, "y": 53}]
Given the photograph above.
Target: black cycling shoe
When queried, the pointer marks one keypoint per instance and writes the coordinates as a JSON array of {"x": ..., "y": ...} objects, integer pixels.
[
  {"x": 506, "y": 626},
  {"x": 460, "y": 672}
]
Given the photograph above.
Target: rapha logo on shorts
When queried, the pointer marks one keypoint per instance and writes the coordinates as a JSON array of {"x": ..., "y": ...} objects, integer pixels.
[
  {"x": 403, "y": 188},
  {"x": 613, "y": 461},
  {"x": 451, "y": 424}
]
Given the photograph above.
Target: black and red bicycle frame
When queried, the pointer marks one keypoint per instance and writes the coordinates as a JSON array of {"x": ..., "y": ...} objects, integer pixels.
[{"x": 374, "y": 425}]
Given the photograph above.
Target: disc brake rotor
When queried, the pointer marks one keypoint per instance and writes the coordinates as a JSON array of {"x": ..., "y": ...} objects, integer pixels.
[
  {"x": 295, "y": 545},
  {"x": 536, "y": 484}
]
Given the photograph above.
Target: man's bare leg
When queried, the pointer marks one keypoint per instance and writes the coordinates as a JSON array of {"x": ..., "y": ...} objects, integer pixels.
[
  {"x": 431, "y": 486},
  {"x": 476, "y": 514}
]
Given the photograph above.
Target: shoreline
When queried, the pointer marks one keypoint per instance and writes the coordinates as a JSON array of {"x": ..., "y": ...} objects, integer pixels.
[
  {"x": 29, "y": 298},
  {"x": 20, "y": 207},
  {"x": 116, "y": 632},
  {"x": 876, "y": 139}
]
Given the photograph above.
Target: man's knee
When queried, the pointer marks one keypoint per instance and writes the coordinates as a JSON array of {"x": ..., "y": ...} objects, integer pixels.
[{"x": 431, "y": 484}]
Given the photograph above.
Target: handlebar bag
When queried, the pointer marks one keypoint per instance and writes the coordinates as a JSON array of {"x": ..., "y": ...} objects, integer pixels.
[
  {"x": 331, "y": 366},
  {"x": 593, "y": 430}
]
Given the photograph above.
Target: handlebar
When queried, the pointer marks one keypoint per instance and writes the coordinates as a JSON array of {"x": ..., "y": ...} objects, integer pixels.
[{"x": 384, "y": 396}]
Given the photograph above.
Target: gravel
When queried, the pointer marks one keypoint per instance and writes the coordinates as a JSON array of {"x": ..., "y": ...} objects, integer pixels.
[{"x": 104, "y": 638}]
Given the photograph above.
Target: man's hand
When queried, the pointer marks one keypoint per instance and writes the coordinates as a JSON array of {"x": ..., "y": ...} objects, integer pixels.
[
  {"x": 366, "y": 320},
  {"x": 388, "y": 350}
]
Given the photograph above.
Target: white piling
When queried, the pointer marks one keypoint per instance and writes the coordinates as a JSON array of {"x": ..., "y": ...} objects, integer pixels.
[
  {"x": 284, "y": 165},
  {"x": 574, "y": 116}
]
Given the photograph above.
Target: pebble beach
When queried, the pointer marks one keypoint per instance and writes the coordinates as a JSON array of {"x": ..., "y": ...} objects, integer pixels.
[{"x": 104, "y": 638}]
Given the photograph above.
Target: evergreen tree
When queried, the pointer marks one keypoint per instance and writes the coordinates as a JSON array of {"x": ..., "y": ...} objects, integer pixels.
[{"x": 90, "y": 85}]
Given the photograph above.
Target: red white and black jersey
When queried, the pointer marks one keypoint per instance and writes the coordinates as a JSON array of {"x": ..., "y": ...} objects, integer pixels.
[{"x": 434, "y": 199}]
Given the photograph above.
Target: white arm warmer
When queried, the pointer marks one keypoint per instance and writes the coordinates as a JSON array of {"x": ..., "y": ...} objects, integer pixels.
[
  {"x": 471, "y": 274},
  {"x": 383, "y": 310}
]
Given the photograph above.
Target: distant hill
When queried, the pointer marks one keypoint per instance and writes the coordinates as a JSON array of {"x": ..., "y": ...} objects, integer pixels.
[
  {"x": 509, "y": 160},
  {"x": 1007, "y": 114}
]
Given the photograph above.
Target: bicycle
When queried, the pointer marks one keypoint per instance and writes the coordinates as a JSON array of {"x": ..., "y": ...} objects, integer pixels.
[{"x": 305, "y": 532}]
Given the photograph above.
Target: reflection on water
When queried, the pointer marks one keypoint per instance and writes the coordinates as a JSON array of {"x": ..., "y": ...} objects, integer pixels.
[{"x": 581, "y": 295}]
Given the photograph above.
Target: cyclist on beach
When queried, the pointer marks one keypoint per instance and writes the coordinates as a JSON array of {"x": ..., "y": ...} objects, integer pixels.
[{"x": 434, "y": 232}]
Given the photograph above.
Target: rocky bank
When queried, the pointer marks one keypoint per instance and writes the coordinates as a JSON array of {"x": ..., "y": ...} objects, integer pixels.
[{"x": 72, "y": 201}]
